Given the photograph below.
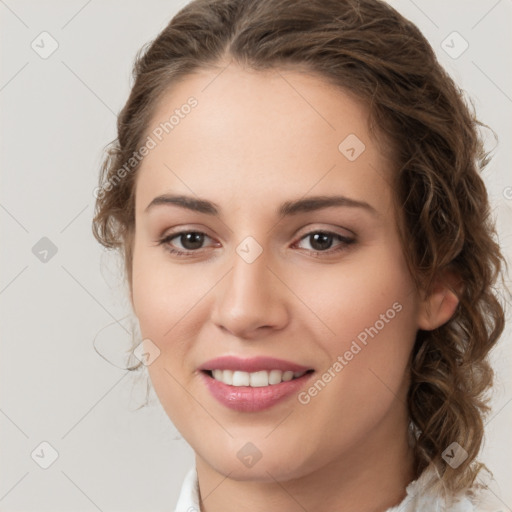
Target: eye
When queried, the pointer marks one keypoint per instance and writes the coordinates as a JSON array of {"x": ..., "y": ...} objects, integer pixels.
[
  {"x": 322, "y": 241},
  {"x": 191, "y": 241}
]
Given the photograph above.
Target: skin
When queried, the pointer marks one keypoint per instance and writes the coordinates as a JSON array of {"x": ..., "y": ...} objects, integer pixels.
[{"x": 255, "y": 140}]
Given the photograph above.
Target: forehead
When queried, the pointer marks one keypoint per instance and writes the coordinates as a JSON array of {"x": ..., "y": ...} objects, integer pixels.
[{"x": 259, "y": 136}]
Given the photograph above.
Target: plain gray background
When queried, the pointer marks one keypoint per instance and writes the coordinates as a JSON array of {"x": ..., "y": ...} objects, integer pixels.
[{"x": 57, "y": 115}]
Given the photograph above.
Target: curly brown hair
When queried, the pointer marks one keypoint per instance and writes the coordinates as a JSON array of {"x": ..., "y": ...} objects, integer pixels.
[{"x": 367, "y": 48}]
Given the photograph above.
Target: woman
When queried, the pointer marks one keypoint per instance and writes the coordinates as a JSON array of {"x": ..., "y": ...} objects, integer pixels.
[{"x": 295, "y": 188}]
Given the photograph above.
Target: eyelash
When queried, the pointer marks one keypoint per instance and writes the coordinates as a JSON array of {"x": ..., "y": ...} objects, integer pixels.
[{"x": 345, "y": 242}]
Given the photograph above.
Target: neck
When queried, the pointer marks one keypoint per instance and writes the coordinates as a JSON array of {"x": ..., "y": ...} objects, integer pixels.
[{"x": 371, "y": 478}]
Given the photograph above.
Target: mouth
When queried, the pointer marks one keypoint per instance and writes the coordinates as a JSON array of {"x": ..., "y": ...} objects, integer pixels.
[
  {"x": 258, "y": 379},
  {"x": 253, "y": 384},
  {"x": 242, "y": 396}
]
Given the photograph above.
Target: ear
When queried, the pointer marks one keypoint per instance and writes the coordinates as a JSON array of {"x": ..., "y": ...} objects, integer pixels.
[{"x": 437, "y": 309}]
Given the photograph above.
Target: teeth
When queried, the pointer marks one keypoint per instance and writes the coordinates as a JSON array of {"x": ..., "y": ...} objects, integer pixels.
[
  {"x": 254, "y": 379},
  {"x": 274, "y": 376},
  {"x": 240, "y": 379},
  {"x": 258, "y": 379}
]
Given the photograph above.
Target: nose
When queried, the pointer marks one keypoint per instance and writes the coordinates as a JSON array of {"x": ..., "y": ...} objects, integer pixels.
[{"x": 251, "y": 300}]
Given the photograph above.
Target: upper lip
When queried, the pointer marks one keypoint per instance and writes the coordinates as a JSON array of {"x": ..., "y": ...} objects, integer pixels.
[{"x": 253, "y": 364}]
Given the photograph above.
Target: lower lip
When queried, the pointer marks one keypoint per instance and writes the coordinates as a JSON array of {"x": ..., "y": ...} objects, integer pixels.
[{"x": 249, "y": 399}]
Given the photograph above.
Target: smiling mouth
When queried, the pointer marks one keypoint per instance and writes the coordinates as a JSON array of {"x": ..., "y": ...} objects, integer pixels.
[{"x": 257, "y": 379}]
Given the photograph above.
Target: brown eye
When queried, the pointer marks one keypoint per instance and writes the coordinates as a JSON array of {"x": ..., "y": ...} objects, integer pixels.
[
  {"x": 191, "y": 241},
  {"x": 322, "y": 241},
  {"x": 185, "y": 242}
]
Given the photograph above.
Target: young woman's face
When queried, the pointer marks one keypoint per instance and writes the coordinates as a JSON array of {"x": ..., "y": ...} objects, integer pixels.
[{"x": 291, "y": 253}]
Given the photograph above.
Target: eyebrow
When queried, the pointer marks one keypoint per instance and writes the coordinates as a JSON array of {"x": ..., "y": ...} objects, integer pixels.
[{"x": 286, "y": 209}]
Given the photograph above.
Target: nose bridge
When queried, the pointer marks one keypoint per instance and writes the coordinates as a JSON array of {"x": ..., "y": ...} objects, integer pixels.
[
  {"x": 249, "y": 280},
  {"x": 249, "y": 297}
]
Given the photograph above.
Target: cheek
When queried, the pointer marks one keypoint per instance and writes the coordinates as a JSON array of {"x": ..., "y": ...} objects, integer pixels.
[
  {"x": 370, "y": 309},
  {"x": 366, "y": 289},
  {"x": 170, "y": 302},
  {"x": 365, "y": 376},
  {"x": 162, "y": 293},
  {"x": 162, "y": 297}
]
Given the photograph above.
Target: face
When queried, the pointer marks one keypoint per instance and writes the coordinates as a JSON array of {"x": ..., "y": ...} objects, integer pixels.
[{"x": 280, "y": 256}]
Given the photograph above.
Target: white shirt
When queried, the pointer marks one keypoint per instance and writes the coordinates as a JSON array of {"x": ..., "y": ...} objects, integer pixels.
[{"x": 418, "y": 499}]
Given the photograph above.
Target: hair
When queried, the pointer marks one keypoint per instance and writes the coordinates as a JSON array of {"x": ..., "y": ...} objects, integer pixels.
[{"x": 367, "y": 49}]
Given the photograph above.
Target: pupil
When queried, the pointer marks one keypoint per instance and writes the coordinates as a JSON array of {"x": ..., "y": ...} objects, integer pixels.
[
  {"x": 191, "y": 241},
  {"x": 322, "y": 241}
]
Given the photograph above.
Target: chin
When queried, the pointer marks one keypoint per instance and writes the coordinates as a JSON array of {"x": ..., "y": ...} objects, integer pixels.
[{"x": 249, "y": 465}]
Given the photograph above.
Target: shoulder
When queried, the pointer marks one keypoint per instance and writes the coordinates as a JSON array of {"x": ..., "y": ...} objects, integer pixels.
[{"x": 425, "y": 494}]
